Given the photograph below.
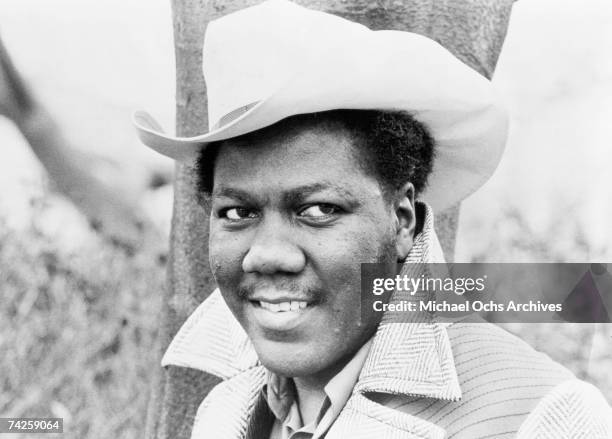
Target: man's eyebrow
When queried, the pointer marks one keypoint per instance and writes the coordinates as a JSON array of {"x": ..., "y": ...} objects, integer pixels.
[
  {"x": 291, "y": 196},
  {"x": 297, "y": 194},
  {"x": 235, "y": 193}
]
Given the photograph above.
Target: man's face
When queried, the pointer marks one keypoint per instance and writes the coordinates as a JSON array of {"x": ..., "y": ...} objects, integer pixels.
[{"x": 293, "y": 217}]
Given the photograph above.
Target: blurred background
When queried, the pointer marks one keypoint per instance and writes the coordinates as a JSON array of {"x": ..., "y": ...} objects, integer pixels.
[{"x": 79, "y": 311}]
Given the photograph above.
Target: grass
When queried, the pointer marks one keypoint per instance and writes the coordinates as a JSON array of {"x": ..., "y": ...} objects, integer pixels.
[{"x": 77, "y": 333}]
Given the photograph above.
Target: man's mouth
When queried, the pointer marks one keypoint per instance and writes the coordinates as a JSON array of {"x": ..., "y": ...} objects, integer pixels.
[
  {"x": 280, "y": 310},
  {"x": 292, "y": 305}
]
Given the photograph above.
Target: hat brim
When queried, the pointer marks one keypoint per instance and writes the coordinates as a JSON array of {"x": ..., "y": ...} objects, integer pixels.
[
  {"x": 460, "y": 168},
  {"x": 186, "y": 149}
]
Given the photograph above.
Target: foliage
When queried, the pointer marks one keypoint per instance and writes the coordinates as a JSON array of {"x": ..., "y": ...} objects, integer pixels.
[{"x": 77, "y": 333}]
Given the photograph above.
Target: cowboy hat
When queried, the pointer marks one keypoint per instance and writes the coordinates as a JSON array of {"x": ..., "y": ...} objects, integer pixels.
[{"x": 277, "y": 59}]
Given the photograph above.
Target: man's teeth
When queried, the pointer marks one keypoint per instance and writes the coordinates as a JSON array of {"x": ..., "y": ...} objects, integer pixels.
[{"x": 294, "y": 305}]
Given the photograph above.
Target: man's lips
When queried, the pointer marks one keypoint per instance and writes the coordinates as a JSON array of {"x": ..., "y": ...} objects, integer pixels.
[
  {"x": 279, "y": 310},
  {"x": 281, "y": 300},
  {"x": 283, "y": 305}
]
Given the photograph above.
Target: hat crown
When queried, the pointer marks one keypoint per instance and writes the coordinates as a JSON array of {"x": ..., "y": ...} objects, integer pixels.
[{"x": 248, "y": 55}]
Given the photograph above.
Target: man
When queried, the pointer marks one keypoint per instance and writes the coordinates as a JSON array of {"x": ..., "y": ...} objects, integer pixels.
[{"x": 323, "y": 136}]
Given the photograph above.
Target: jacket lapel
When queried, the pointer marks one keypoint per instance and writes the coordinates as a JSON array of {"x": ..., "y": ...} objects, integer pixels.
[
  {"x": 235, "y": 409},
  {"x": 411, "y": 353},
  {"x": 260, "y": 421},
  {"x": 412, "y": 359}
]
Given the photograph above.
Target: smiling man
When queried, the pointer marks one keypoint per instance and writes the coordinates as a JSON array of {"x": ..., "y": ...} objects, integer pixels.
[
  {"x": 296, "y": 208},
  {"x": 331, "y": 146}
]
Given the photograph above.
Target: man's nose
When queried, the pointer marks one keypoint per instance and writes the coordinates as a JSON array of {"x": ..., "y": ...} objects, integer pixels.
[{"x": 274, "y": 250}]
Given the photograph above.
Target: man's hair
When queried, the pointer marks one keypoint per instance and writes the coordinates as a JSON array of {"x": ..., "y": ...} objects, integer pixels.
[{"x": 392, "y": 146}]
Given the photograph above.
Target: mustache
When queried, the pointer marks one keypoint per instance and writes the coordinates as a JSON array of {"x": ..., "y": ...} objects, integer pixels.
[{"x": 310, "y": 293}]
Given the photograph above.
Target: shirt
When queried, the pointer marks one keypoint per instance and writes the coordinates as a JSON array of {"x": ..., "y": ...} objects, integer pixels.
[{"x": 280, "y": 394}]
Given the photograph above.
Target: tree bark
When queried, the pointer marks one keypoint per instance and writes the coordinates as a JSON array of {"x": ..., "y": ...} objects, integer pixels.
[{"x": 473, "y": 30}]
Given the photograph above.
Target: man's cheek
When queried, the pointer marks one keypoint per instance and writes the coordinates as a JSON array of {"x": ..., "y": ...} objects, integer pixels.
[
  {"x": 227, "y": 271},
  {"x": 225, "y": 262}
]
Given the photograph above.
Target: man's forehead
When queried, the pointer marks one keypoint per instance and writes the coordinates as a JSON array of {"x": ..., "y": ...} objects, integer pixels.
[
  {"x": 289, "y": 151},
  {"x": 314, "y": 126},
  {"x": 292, "y": 162}
]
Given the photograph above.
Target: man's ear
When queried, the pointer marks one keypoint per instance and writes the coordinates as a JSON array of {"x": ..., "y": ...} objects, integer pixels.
[{"x": 406, "y": 220}]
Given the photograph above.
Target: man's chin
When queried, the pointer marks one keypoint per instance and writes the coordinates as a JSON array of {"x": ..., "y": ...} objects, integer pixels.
[{"x": 288, "y": 360}]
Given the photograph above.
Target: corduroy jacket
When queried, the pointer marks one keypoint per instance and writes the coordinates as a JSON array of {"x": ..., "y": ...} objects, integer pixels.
[{"x": 421, "y": 380}]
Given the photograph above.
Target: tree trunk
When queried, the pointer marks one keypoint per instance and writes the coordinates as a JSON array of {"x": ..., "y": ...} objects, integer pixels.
[{"x": 473, "y": 30}]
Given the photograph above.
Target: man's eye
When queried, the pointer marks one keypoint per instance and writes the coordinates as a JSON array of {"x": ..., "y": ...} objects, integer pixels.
[
  {"x": 238, "y": 213},
  {"x": 320, "y": 211}
]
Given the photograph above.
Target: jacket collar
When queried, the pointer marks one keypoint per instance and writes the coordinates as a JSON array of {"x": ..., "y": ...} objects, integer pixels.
[{"x": 405, "y": 358}]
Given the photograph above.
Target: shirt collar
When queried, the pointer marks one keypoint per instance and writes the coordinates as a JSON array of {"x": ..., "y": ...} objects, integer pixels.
[{"x": 405, "y": 358}]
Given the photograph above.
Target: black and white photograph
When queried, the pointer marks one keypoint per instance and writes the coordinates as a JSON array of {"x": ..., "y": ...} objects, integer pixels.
[{"x": 306, "y": 219}]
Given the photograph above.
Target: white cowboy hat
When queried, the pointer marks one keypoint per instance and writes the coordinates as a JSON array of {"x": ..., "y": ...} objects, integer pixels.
[{"x": 277, "y": 59}]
